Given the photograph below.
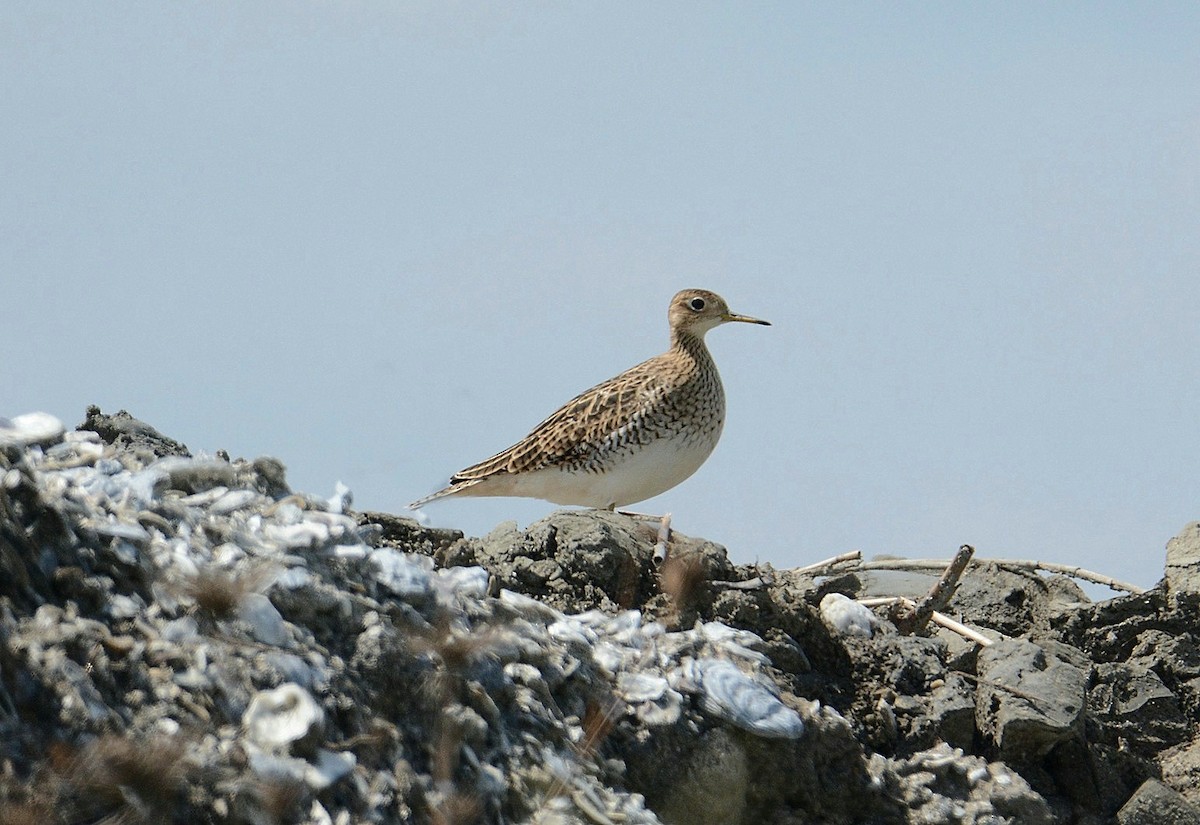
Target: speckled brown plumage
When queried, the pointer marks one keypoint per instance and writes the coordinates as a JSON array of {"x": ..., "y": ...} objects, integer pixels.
[{"x": 626, "y": 439}]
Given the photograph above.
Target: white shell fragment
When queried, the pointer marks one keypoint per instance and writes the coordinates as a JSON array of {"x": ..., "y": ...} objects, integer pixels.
[
  {"x": 30, "y": 428},
  {"x": 406, "y": 576},
  {"x": 341, "y": 499},
  {"x": 847, "y": 617},
  {"x": 641, "y": 687},
  {"x": 303, "y": 534},
  {"x": 461, "y": 582},
  {"x": 729, "y": 693},
  {"x": 732, "y": 641},
  {"x": 329, "y": 767},
  {"x": 568, "y": 631},
  {"x": 275, "y": 719},
  {"x": 119, "y": 530},
  {"x": 653, "y": 699},
  {"x": 233, "y": 500}
]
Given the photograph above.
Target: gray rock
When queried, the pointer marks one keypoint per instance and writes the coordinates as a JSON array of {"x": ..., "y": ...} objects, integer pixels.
[
  {"x": 1013, "y": 602},
  {"x": 1181, "y": 769},
  {"x": 712, "y": 785},
  {"x": 896, "y": 680},
  {"x": 951, "y": 711},
  {"x": 583, "y": 559},
  {"x": 1134, "y": 707},
  {"x": 1030, "y": 698},
  {"x": 1156, "y": 804},
  {"x": 1183, "y": 562},
  {"x": 128, "y": 433},
  {"x": 946, "y": 785}
]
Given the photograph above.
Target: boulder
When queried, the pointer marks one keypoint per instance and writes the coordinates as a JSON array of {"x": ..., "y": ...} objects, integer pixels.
[
  {"x": 1183, "y": 562},
  {"x": 1156, "y": 804},
  {"x": 1031, "y": 697}
]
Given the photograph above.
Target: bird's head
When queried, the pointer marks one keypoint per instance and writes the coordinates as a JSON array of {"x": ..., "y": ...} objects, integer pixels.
[{"x": 696, "y": 311}]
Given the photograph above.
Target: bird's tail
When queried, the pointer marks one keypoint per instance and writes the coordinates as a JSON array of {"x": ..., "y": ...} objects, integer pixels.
[{"x": 454, "y": 489}]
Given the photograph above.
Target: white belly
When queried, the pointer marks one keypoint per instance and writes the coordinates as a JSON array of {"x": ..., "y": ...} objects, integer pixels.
[{"x": 632, "y": 477}]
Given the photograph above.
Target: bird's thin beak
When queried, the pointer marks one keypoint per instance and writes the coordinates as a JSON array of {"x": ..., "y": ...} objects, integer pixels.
[{"x": 745, "y": 319}]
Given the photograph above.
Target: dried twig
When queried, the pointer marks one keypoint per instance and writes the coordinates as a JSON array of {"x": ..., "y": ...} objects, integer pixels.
[
  {"x": 746, "y": 584},
  {"x": 664, "y": 538},
  {"x": 1050, "y": 567},
  {"x": 936, "y": 617},
  {"x": 823, "y": 568},
  {"x": 960, "y": 628},
  {"x": 910, "y": 619},
  {"x": 1074, "y": 572},
  {"x": 598, "y": 720}
]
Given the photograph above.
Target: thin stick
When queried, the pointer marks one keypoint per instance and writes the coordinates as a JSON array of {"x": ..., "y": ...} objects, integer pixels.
[
  {"x": 961, "y": 629},
  {"x": 910, "y": 620},
  {"x": 664, "y": 537},
  {"x": 746, "y": 584},
  {"x": 1074, "y": 572},
  {"x": 937, "y": 618},
  {"x": 1049, "y": 567},
  {"x": 879, "y": 601},
  {"x": 820, "y": 567}
]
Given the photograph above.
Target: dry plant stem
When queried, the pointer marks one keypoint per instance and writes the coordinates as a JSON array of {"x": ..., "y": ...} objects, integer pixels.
[
  {"x": 823, "y": 567},
  {"x": 1074, "y": 572},
  {"x": 664, "y": 537},
  {"x": 910, "y": 620},
  {"x": 664, "y": 531},
  {"x": 960, "y": 628},
  {"x": 1049, "y": 567},
  {"x": 589, "y": 809},
  {"x": 598, "y": 721},
  {"x": 937, "y": 618},
  {"x": 765, "y": 578},
  {"x": 747, "y": 584}
]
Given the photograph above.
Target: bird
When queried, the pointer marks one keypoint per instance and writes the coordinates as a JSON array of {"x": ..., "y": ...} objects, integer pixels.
[{"x": 626, "y": 439}]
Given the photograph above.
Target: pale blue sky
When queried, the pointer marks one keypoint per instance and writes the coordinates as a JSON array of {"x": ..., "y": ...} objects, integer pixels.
[{"x": 382, "y": 240}]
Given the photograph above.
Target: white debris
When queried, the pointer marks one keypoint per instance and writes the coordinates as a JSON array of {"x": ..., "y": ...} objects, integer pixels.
[
  {"x": 847, "y": 617},
  {"x": 275, "y": 719},
  {"x": 405, "y": 575},
  {"x": 730, "y": 694},
  {"x": 30, "y": 428}
]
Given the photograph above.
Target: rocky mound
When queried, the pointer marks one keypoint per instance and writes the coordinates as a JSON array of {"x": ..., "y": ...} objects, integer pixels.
[{"x": 184, "y": 639}]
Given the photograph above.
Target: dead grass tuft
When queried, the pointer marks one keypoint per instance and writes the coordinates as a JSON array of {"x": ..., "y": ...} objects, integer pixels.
[
  {"x": 682, "y": 578},
  {"x": 457, "y": 809},
  {"x": 125, "y": 781},
  {"x": 218, "y": 591},
  {"x": 280, "y": 798}
]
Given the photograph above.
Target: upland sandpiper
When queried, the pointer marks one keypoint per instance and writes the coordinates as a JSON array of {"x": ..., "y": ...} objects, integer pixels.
[{"x": 628, "y": 439}]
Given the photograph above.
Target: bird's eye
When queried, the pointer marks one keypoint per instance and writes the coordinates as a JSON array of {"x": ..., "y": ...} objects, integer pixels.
[{"x": 696, "y": 304}]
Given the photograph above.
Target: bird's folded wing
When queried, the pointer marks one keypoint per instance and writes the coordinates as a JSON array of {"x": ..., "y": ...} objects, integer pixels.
[{"x": 582, "y": 430}]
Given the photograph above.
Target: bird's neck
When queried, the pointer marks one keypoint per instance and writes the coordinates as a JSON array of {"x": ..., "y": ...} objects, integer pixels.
[{"x": 690, "y": 345}]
